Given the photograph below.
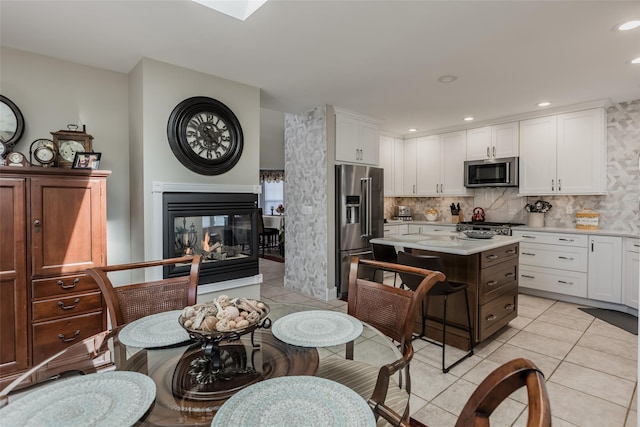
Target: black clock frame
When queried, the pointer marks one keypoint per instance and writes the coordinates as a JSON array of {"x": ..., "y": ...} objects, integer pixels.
[
  {"x": 177, "y": 130},
  {"x": 19, "y": 122}
]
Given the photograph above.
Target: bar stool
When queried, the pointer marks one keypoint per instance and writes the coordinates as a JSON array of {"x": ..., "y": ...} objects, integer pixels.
[
  {"x": 385, "y": 253},
  {"x": 444, "y": 289}
]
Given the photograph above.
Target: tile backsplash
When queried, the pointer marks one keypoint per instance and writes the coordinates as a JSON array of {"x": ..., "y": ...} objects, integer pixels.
[{"x": 618, "y": 209}]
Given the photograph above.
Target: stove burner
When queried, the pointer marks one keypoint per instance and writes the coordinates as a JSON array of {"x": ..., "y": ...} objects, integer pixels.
[{"x": 502, "y": 228}]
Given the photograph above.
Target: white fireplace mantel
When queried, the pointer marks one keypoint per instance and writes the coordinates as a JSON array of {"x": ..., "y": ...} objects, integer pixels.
[{"x": 155, "y": 249}]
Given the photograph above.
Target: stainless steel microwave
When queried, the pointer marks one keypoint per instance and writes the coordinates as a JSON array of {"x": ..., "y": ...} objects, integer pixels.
[{"x": 491, "y": 173}]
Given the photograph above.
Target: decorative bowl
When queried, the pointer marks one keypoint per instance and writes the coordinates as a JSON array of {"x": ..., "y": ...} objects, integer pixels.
[
  {"x": 479, "y": 234},
  {"x": 228, "y": 334}
]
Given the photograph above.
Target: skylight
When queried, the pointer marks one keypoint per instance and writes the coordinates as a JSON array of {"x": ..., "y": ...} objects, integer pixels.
[{"x": 239, "y": 9}]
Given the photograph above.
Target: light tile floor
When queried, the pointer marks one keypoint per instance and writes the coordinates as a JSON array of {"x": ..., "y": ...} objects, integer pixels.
[{"x": 590, "y": 366}]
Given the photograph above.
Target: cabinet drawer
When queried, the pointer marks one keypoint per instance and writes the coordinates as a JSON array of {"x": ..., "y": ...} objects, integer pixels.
[
  {"x": 631, "y": 244},
  {"x": 553, "y": 256},
  {"x": 66, "y": 306},
  {"x": 496, "y": 280},
  {"x": 52, "y": 337},
  {"x": 63, "y": 286},
  {"x": 390, "y": 230},
  {"x": 579, "y": 240},
  {"x": 497, "y": 313},
  {"x": 498, "y": 255},
  {"x": 559, "y": 281}
]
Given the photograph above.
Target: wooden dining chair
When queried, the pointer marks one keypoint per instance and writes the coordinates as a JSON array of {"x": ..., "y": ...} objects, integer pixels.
[
  {"x": 131, "y": 302},
  {"x": 392, "y": 311},
  {"x": 268, "y": 235},
  {"x": 501, "y": 383}
]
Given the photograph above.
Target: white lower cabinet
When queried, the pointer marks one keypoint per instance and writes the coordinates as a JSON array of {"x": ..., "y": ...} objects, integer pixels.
[
  {"x": 605, "y": 268},
  {"x": 586, "y": 266},
  {"x": 553, "y": 262},
  {"x": 631, "y": 272}
]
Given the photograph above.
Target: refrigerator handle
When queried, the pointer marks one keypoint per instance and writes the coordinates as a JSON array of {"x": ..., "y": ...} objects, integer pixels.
[{"x": 365, "y": 221}]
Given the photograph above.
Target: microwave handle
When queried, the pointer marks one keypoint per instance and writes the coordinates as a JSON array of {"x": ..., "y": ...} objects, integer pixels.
[{"x": 508, "y": 172}]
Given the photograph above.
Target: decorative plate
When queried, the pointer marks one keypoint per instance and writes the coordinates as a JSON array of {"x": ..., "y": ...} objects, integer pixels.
[
  {"x": 479, "y": 234},
  {"x": 104, "y": 399},
  {"x": 157, "y": 330},
  {"x": 295, "y": 401},
  {"x": 317, "y": 328}
]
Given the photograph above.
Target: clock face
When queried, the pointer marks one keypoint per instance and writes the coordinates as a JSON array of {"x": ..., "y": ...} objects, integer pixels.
[
  {"x": 16, "y": 158},
  {"x": 205, "y": 135},
  {"x": 44, "y": 155},
  {"x": 208, "y": 135},
  {"x": 69, "y": 148}
]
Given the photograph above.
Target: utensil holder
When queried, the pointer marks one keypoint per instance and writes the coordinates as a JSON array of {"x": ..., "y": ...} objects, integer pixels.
[
  {"x": 455, "y": 219},
  {"x": 536, "y": 219}
]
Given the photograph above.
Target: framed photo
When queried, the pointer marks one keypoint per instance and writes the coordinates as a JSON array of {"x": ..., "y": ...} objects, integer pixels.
[{"x": 86, "y": 160}]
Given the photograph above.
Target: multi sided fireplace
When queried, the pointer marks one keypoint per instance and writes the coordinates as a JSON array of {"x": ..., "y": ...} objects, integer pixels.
[{"x": 221, "y": 227}]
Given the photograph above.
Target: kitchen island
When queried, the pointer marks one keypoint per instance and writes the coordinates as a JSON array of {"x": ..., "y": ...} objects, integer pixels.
[{"x": 488, "y": 266}]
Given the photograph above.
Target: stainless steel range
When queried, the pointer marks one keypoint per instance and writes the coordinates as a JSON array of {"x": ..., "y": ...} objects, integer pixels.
[{"x": 501, "y": 228}]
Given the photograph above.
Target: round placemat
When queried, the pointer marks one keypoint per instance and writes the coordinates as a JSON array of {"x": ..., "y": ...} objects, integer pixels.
[
  {"x": 156, "y": 330},
  {"x": 317, "y": 328},
  {"x": 295, "y": 401},
  {"x": 104, "y": 399}
]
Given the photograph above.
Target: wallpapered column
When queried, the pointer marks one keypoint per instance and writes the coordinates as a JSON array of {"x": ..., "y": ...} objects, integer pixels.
[{"x": 305, "y": 186}]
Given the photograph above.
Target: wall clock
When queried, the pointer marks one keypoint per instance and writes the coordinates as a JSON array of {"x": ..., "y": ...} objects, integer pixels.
[
  {"x": 11, "y": 123},
  {"x": 205, "y": 135}
]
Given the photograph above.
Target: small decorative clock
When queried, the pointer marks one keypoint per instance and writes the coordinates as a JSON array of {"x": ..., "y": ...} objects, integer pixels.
[
  {"x": 205, "y": 135},
  {"x": 67, "y": 143},
  {"x": 43, "y": 152}
]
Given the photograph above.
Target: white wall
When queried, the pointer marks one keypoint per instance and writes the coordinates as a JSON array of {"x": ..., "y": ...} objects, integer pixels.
[
  {"x": 52, "y": 93},
  {"x": 271, "y": 139}
]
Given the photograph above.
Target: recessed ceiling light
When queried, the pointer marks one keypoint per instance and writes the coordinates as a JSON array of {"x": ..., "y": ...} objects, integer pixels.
[
  {"x": 635, "y": 61},
  {"x": 468, "y": 119},
  {"x": 413, "y": 130},
  {"x": 544, "y": 104},
  {"x": 239, "y": 9},
  {"x": 448, "y": 78},
  {"x": 630, "y": 25}
]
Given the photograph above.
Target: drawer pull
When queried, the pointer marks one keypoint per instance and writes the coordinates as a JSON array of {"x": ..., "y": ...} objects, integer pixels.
[
  {"x": 63, "y": 286},
  {"x": 566, "y": 257},
  {"x": 511, "y": 251},
  {"x": 509, "y": 307},
  {"x": 562, "y": 239},
  {"x": 492, "y": 257},
  {"x": 528, "y": 277},
  {"x": 491, "y": 317},
  {"x": 565, "y": 283},
  {"x": 75, "y": 335},
  {"x": 492, "y": 283},
  {"x": 509, "y": 275},
  {"x": 528, "y": 253},
  {"x": 69, "y": 307},
  {"x": 636, "y": 245},
  {"x": 528, "y": 237}
]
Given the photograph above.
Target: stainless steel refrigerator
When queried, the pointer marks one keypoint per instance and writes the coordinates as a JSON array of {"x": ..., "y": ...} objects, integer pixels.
[{"x": 359, "y": 216}]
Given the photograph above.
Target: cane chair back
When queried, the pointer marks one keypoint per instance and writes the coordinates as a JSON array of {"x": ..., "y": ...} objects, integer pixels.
[{"x": 131, "y": 302}]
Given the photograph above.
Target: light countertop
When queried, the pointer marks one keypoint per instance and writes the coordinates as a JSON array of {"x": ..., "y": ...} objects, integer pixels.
[
  {"x": 568, "y": 230},
  {"x": 447, "y": 242}
]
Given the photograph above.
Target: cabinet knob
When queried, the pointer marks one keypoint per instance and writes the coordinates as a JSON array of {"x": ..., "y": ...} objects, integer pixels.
[{"x": 37, "y": 225}]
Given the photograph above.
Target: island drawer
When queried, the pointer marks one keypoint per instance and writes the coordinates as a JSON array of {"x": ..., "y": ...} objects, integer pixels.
[
  {"x": 498, "y": 255},
  {"x": 66, "y": 306},
  {"x": 497, "y": 313},
  {"x": 496, "y": 280}
]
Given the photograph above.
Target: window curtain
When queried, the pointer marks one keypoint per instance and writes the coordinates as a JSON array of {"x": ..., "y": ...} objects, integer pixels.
[{"x": 271, "y": 176}]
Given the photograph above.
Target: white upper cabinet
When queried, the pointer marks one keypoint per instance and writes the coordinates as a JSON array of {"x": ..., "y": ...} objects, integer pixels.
[
  {"x": 392, "y": 161},
  {"x": 563, "y": 154},
  {"x": 493, "y": 142},
  {"x": 434, "y": 165},
  {"x": 357, "y": 139}
]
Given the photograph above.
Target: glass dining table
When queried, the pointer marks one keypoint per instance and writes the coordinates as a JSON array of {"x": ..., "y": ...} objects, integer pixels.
[{"x": 189, "y": 392}]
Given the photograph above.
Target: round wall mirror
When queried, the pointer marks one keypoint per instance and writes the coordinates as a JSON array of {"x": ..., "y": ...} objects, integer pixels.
[{"x": 11, "y": 122}]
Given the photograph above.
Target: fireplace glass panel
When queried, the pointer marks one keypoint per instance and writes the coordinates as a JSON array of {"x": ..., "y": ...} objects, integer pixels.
[{"x": 221, "y": 227}]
